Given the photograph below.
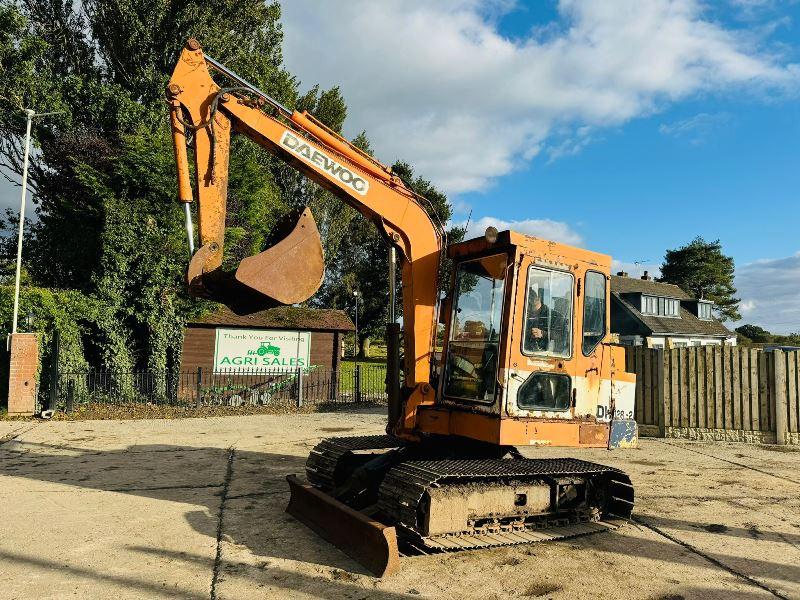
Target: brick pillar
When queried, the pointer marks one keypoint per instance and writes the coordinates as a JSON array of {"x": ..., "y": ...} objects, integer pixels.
[{"x": 24, "y": 357}]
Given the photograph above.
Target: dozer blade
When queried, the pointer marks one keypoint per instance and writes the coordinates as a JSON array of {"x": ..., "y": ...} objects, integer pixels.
[
  {"x": 289, "y": 271},
  {"x": 367, "y": 541}
]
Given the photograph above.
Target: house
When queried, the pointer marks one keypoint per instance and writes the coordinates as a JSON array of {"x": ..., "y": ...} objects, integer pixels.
[
  {"x": 662, "y": 315},
  {"x": 284, "y": 338}
]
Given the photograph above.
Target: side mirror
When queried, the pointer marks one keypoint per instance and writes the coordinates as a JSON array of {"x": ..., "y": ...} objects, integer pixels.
[{"x": 445, "y": 306}]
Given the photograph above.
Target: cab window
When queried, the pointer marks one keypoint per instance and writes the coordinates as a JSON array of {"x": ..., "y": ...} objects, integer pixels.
[
  {"x": 474, "y": 342},
  {"x": 545, "y": 391},
  {"x": 594, "y": 311},
  {"x": 548, "y": 313}
]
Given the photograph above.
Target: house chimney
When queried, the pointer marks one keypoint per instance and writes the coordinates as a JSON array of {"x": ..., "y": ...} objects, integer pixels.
[
  {"x": 622, "y": 274},
  {"x": 646, "y": 276}
]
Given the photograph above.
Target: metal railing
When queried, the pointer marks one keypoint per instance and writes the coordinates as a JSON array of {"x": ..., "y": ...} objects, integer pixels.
[{"x": 351, "y": 383}]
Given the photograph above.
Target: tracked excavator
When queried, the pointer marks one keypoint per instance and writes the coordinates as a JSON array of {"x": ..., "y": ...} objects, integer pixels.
[{"x": 526, "y": 355}]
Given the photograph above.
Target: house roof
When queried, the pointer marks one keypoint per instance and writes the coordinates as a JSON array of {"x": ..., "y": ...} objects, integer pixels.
[
  {"x": 635, "y": 285},
  {"x": 688, "y": 324},
  {"x": 283, "y": 317}
]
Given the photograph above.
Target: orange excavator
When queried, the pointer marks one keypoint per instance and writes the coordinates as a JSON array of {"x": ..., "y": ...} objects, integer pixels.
[{"x": 527, "y": 357}]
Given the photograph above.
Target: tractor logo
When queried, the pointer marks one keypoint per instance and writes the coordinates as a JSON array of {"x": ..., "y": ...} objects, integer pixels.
[{"x": 267, "y": 348}]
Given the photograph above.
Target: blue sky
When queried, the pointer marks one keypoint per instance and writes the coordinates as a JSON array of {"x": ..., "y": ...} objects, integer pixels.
[
  {"x": 721, "y": 165},
  {"x": 720, "y": 169},
  {"x": 624, "y": 126}
]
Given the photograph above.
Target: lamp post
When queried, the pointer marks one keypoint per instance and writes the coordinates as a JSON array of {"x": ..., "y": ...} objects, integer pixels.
[
  {"x": 355, "y": 341},
  {"x": 30, "y": 115}
]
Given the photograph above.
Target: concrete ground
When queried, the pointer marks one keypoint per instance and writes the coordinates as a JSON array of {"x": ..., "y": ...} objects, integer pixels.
[{"x": 193, "y": 508}]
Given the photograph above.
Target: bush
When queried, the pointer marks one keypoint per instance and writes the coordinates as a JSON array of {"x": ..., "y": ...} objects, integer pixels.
[{"x": 43, "y": 311}]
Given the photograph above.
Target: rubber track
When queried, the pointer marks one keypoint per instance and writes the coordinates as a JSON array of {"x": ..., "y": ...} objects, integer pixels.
[{"x": 468, "y": 541}]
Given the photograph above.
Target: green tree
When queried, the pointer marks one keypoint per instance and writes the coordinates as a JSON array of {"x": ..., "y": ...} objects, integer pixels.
[
  {"x": 43, "y": 311},
  {"x": 102, "y": 173},
  {"x": 755, "y": 333},
  {"x": 702, "y": 270}
]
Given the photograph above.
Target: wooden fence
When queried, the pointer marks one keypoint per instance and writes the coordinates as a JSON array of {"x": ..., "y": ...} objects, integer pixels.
[{"x": 715, "y": 392}]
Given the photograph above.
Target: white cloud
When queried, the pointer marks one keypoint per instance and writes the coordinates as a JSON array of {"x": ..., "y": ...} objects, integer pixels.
[
  {"x": 571, "y": 144},
  {"x": 547, "y": 229},
  {"x": 770, "y": 293},
  {"x": 436, "y": 84},
  {"x": 746, "y": 307},
  {"x": 696, "y": 128},
  {"x": 752, "y": 4},
  {"x": 750, "y": 9}
]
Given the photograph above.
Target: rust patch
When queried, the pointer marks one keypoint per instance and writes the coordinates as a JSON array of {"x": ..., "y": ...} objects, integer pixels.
[{"x": 592, "y": 434}]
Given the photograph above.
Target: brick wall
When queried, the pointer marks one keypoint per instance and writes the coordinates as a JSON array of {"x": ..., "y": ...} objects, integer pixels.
[
  {"x": 24, "y": 360},
  {"x": 198, "y": 349}
]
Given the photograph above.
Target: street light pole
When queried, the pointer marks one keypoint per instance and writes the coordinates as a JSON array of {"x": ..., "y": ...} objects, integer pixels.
[
  {"x": 30, "y": 114},
  {"x": 355, "y": 342}
]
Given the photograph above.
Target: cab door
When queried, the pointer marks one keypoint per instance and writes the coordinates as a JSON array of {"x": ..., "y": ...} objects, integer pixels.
[
  {"x": 473, "y": 349},
  {"x": 560, "y": 369}
]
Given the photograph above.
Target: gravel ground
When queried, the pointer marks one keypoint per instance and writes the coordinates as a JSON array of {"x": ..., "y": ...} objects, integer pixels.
[{"x": 193, "y": 508}]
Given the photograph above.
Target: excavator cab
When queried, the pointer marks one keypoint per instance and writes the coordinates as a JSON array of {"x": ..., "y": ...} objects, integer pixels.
[{"x": 526, "y": 359}]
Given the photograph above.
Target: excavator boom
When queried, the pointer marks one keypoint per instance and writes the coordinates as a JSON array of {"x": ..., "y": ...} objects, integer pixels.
[{"x": 292, "y": 270}]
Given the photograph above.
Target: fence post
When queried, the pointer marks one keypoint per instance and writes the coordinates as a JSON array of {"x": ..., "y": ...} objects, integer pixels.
[
  {"x": 334, "y": 386},
  {"x": 54, "y": 374},
  {"x": 660, "y": 392},
  {"x": 779, "y": 387},
  {"x": 198, "y": 401},
  {"x": 71, "y": 396},
  {"x": 299, "y": 387},
  {"x": 357, "y": 382}
]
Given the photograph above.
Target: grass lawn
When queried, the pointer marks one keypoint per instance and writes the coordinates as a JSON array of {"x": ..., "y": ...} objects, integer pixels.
[
  {"x": 373, "y": 375},
  {"x": 377, "y": 353}
]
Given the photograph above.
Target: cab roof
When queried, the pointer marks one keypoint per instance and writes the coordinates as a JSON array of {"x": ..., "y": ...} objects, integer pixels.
[{"x": 510, "y": 241}]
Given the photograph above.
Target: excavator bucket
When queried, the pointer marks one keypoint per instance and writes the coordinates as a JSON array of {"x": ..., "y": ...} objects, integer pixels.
[
  {"x": 289, "y": 271},
  {"x": 370, "y": 543}
]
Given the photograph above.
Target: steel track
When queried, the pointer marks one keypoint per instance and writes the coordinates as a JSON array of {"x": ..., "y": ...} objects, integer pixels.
[{"x": 404, "y": 487}]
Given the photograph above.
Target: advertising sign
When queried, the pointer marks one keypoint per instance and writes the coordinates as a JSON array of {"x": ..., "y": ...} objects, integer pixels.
[{"x": 250, "y": 349}]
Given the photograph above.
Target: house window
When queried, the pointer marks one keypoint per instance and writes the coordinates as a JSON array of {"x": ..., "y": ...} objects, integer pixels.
[
  {"x": 673, "y": 308},
  {"x": 704, "y": 311},
  {"x": 664, "y": 307}
]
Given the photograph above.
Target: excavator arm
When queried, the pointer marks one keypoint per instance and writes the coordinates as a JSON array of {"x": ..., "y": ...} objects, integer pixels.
[{"x": 205, "y": 114}]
